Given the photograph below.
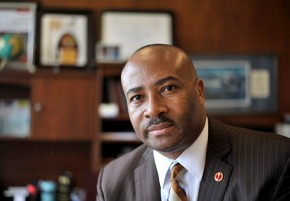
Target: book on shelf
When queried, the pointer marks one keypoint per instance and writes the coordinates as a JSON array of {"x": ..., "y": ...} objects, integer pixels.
[
  {"x": 122, "y": 99},
  {"x": 114, "y": 101}
]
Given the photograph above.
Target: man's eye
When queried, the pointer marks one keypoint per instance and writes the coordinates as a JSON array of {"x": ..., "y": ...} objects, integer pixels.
[
  {"x": 169, "y": 88},
  {"x": 136, "y": 98}
]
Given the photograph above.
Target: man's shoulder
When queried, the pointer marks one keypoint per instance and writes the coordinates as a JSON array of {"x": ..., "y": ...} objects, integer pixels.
[
  {"x": 130, "y": 159},
  {"x": 246, "y": 134}
]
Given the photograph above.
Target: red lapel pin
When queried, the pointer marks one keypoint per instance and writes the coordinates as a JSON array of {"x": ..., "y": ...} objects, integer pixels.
[{"x": 218, "y": 176}]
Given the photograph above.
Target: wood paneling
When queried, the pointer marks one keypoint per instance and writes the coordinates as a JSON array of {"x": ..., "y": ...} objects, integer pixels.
[
  {"x": 63, "y": 128},
  {"x": 201, "y": 27},
  {"x": 66, "y": 103},
  {"x": 218, "y": 27}
]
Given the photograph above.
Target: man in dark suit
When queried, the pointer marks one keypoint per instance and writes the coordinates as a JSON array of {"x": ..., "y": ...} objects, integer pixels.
[{"x": 166, "y": 107}]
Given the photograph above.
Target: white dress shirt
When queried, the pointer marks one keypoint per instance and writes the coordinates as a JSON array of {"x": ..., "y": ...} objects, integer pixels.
[{"x": 192, "y": 159}]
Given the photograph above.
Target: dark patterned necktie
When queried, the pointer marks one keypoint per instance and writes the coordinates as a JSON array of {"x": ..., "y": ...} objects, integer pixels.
[{"x": 176, "y": 192}]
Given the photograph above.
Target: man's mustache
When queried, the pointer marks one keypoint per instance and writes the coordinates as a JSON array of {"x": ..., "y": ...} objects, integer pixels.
[{"x": 159, "y": 120}]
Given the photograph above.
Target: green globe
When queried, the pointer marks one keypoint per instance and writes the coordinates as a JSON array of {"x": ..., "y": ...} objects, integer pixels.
[{"x": 11, "y": 46}]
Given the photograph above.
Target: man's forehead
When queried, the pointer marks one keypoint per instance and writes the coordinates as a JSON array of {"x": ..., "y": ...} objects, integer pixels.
[{"x": 144, "y": 72}]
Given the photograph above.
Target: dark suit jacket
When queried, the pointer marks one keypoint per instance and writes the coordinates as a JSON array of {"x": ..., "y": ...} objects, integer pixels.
[{"x": 255, "y": 166}]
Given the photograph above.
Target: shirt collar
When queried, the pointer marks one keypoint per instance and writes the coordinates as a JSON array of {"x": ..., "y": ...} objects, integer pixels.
[{"x": 192, "y": 159}]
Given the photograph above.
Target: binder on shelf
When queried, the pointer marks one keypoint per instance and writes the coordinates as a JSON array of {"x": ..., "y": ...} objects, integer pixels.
[
  {"x": 14, "y": 117},
  {"x": 283, "y": 129}
]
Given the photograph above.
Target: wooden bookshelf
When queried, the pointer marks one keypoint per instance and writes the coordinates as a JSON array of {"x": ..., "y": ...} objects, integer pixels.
[
  {"x": 62, "y": 128},
  {"x": 217, "y": 33}
]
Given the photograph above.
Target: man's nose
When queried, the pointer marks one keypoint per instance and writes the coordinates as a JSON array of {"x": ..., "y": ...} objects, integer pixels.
[{"x": 155, "y": 107}]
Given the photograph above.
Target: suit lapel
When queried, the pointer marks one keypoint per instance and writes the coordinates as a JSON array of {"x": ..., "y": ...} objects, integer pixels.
[
  {"x": 210, "y": 188},
  {"x": 146, "y": 178},
  {"x": 218, "y": 147}
]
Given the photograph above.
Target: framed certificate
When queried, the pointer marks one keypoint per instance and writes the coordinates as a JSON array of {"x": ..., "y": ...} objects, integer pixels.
[
  {"x": 127, "y": 31},
  {"x": 17, "y": 35}
]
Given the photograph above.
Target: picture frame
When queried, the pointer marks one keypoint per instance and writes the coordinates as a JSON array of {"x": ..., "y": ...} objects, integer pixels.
[
  {"x": 66, "y": 39},
  {"x": 18, "y": 35},
  {"x": 128, "y": 30},
  {"x": 226, "y": 83},
  {"x": 239, "y": 84}
]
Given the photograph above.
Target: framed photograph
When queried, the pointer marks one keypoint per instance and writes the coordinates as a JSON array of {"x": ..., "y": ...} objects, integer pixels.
[
  {"x": 226, "y": 83},
  {"x": 17, "y": 35},
  {"x": 241, "y": 84},
  {"x": 127, "y": 31},
  {"x": 66, "y": 39}
]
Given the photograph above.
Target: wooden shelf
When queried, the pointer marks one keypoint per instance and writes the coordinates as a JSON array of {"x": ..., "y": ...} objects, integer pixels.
[
  {"x": 6, "y": 138},
  {"x": 119, "y": 137},
  {"x": 66, "y": 72},
  {"x": 65, "y": 114},
  {"x": 21, "y": 78},
  {"x": 37, "y": 140},
  {"x": 111, "y": 69},
  {"x": 250, "y": 121},
  {"x": 63, "y": 128},
  {"x": 120, "y": 117}
]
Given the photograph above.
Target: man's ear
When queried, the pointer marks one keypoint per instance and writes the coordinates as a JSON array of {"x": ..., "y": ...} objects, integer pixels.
[{"x": 199, "y": 87}]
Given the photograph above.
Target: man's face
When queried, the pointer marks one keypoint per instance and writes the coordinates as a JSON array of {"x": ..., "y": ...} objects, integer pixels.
[{"x": 165, "y": 102}]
